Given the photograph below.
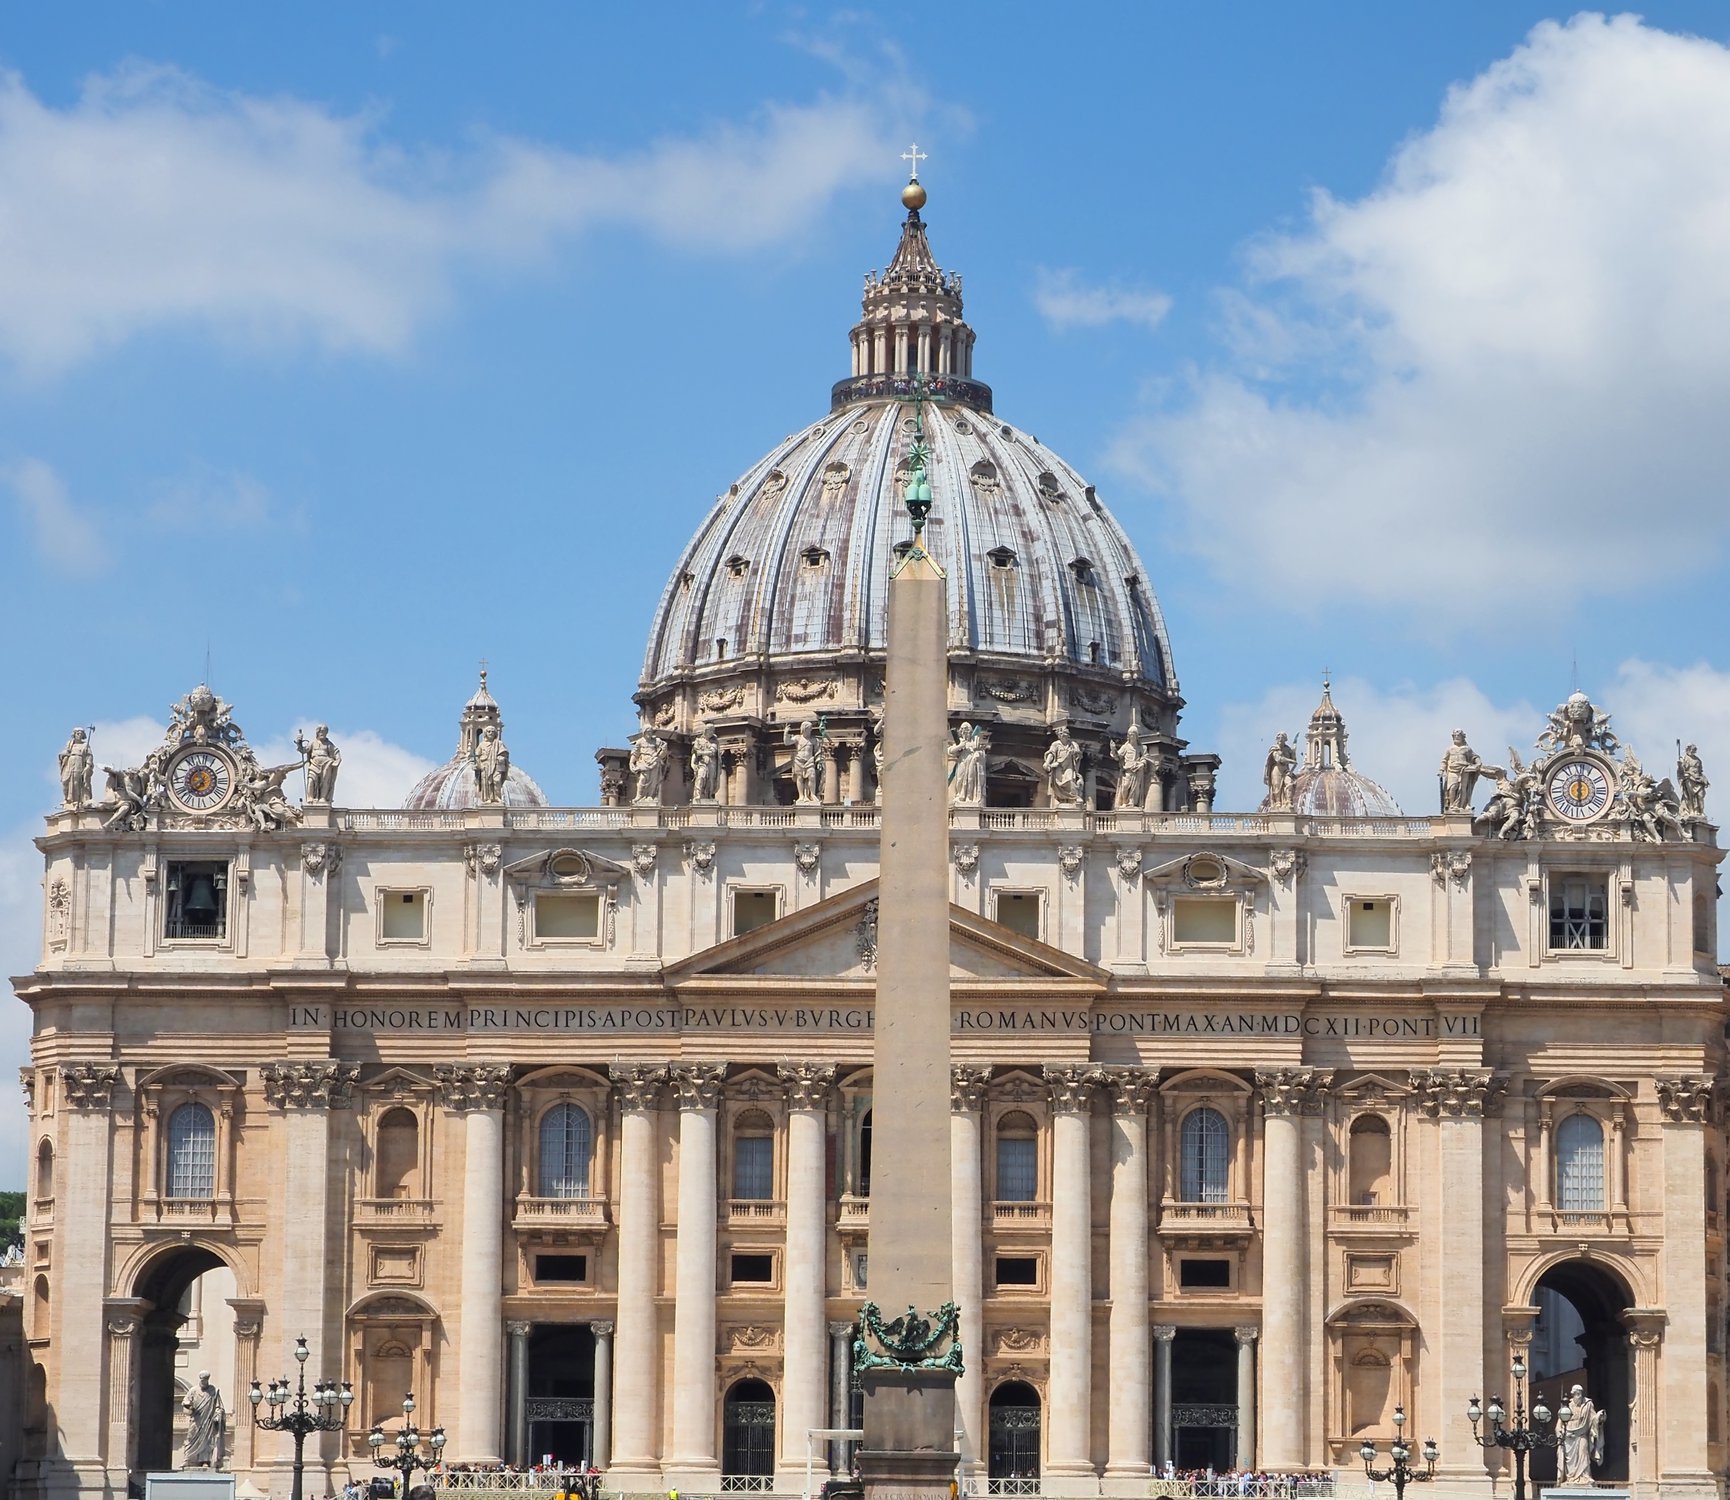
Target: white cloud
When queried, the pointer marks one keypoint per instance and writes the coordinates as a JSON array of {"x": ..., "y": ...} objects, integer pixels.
[
  {"x": 65, "y": 538},
  {"x": 374, "y": 773},
  {"x": 158, "y": 200},
  {"x": 208, "y": 499},
  {"x": 1504, "y": 369},
  {"x": 1065, "y": 301}
]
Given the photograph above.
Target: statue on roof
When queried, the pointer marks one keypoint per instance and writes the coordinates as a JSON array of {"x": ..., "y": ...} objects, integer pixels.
[
  {"x": 648, "y": 764},
  {"x": 322, "y": 759},
  {"x": 705, "y": 764},
  {"x": 1648, "y": 806},
  {"x": 1277, "y": 773},
  {"x": 1691, "y": 782},
  {"x": 1063, "y": 769},
  {"x": 1135, "y": 768},
  {"x": 492, "y": 766},
  {"x": 78, "y": 766},
  {"x": 1512, "y": 811},
  {"x": 1577, "y": 725},
  {"x": 1459, "y": 774},
  {"x": 966, "y": 757},
  {"x": 807, "y": 766},
  {"x": 261, "y": 796}
]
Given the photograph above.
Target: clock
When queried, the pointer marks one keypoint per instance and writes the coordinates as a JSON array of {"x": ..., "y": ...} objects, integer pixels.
[
  {"x": 1579, "y": 789},
  {"x": 201, "y": 780}
]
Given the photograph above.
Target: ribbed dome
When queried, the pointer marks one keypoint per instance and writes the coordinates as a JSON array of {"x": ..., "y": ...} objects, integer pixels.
[
  {"x": 455, "y": 784},
  {"x": 1326, "y": 786}
]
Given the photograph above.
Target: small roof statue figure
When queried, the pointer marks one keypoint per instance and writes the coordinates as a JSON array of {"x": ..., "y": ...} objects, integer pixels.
[{"x": 203, "y": 1404}]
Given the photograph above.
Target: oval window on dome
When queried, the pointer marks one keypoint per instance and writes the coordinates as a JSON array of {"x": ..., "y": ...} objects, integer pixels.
[
  {"x": 1082, "y": 568},
  {"x": 738, "y": 566},
  {"x": 1049, "y": 489},
  {"x": 983, "y": 476}
]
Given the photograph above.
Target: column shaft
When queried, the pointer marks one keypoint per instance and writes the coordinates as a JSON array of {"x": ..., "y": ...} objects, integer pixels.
[
  {"x": 693, "y": 1452},
  {"x": 1282, "y": 1292},
  {"x": 1131, "y": 1358},
  {"x": 840, "y": 1375},
  {"x": 636, "y": 1359},
  {"x": 480, "y": 1332},
  {"x": 82, "y": 1282},
  {"x": 1070, "y": 1404},
  {"x": 967, "y": 1215},
  {"x": 1163, "y": 1334},
  {"x": 601, "y": 1443},
  {"x": 1246, "y": 1398},
  {"x": 804, "y": 1335},
  {"x": 519, "y": 1426}
]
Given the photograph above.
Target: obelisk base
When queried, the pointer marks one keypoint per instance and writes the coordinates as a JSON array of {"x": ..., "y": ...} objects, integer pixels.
[{"x": 909, "y": 1448}]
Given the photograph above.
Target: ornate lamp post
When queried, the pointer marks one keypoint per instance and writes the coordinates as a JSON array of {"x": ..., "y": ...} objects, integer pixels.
[
  {"x": 1401, "y": 1471},
  {"x": 408, "y": 1455},
  {"x": 1521, "y": 1437},
  {"x": 325, "y": 1410}
]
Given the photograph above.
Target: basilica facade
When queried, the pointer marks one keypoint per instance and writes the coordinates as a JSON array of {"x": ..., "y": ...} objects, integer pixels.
[{"x": 1266, "y": 1124}]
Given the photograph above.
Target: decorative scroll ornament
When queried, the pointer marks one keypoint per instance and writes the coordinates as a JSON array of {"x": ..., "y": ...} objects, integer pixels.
[
  {"x": 910, "y": 1342},
  {"x": 1285, "y": 863},
  {"x": 1451, "y": 864},
  {"x": 1685, "y": 1099},
  {"x": 1129, "y": 864},
  {"x": 1010, "y": 689},
  {"x": 1456, "y": 1093},
  {"x": 967, "y": 1085},
  {"x": 320, "y": 859},
  {"x": 807, "y": 1084},
  {"x": 483, "y": 859},
  {"x": 702, "y": 857},
  {"x": 323, "y": 1084},
  {"x": 1293, "y": 1091},
  {"x": 966, "y": 859},
  {"x": 1132, "y": 1089},
  {"x": 696, "y": 1085},
  {"x": 643, "y": 860},
  {"x": 1092, "y": 702},
  {"x": 719, "y": 700},
  {"x": 806, "y": 689},
  {"x": 472, "y": 1085},
  {"x": 639, "y": 1084},
  {"x": 1069, "y": 859},
  {"x": 89, "y": 1085},
  {"x": 1578, "y": 725},
  {"x": 59, "y": 912},
  {"x": 27, "y": 1082},
  {"x": 1072, "y": 1087},
  {"x": 806, "y": 857},
  {"x": 865, "y": 935}
]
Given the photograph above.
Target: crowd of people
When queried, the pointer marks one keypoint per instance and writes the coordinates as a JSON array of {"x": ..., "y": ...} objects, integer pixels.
[{"x": 1253, "y": 1484}]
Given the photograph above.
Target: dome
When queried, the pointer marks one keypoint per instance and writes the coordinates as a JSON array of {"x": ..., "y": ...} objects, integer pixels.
[
  {"x": 456, "y": 784},
  {"x": 1326, "y": 785}
]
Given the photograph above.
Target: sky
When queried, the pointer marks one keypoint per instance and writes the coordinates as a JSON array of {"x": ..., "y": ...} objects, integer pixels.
[{"x": 344, "y": 346}]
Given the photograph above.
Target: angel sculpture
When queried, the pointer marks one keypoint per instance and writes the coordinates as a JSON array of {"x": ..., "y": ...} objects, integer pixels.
[
  {"x": 1648, "y": 806},
  {"x": 128, "y": 791},
  {"x": 262, "y": 797},
  {"x": 1510, "y": 812}
]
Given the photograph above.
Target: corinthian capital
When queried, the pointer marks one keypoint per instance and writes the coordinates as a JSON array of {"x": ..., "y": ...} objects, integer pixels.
[
  {"x": 1456, "y": 1093},
  {"x": 1293, "y": 1091},
  {"x": 1131, "y": 1089},
  {"x": 695, "y": 1085},
  {"x": 967, "y": 1085},
  {"x": 639, "y": 1084},
  {"x": 89, "y": 1085},
  {"x": 313, "y": 1083},
  {"x": 1072, "y": 1087},
  {"x": 808, "y": 1084},
  {"x": 472, "y": 1085},
  {"x": 1685, "y": 1098}
]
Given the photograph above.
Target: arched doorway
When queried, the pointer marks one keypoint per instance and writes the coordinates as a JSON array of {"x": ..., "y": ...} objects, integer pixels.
[
  {"x": 165, "y": 1284},
  {"x": 1012, "y": 1457},
  {"x": 1579, "y": 1338},
  {"x": 748, "y": 1436}
]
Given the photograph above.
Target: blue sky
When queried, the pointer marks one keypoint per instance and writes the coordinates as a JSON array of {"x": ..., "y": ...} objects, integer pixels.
[{"x": 352, "y": 344}]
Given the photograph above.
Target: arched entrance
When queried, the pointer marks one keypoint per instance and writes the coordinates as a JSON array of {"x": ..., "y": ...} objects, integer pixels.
[
  {"x": 748, "y": 1436},
  {"x": 164, "y": 1284},
  {"x": 1579, "y": 1338},
  {"x": 1012, "y": 1458}
]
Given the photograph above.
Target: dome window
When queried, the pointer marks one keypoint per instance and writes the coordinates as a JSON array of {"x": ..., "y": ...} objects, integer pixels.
[
  {"x": 1001, "y": 558},
  {"x": 901, "y": 549},
  {"x": 1093, "y": 653},
  {"x": 738, "y": 566},
  {"x": 984, "y": 479},
  {"x": 686, "y": 580},
  {"x": 1083, "y": 570},
  {"x": 1049, "y": 489},
  {"x": 815, "y": 557},
  {"x": 720, "y": 648}
]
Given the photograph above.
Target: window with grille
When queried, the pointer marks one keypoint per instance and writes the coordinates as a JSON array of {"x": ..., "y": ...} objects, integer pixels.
[
  {"x": 1580, "y": 1165},
  {"x": 567, "y": 1142},
  {"x": 1579, "y": 913},
  {"x": 1204, "y": 1145},
  {"x": 1017, "y": 1160},
  {"x": 754, "y": 1167},
  {"x": 192, "y": 1152}
]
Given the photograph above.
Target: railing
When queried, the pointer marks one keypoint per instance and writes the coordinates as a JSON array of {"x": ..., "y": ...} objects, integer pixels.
[
  {"x": 179, "y": 928},
  {"x": 955, "y": 388},
  {"x": 1571, "y": 1220},
  {"x": 506, "y": 1481},
  {"x": 1013, "y": 1484},
  {"x": 756, "y": 1210},
  {"x": 569, "y": 817},
  {"x": 854, "y": 1211},
  {"x": 1253, "y": 1487},
  {"x": 392, "y": 1210},
  {"x": 573, "y": 1212},
  {"x": 200, "y": 1210},
  {"x": 747, "y": 1484},
  {"x": 1349, "y": 1214},
  {"x": 1206, "y": 1215},
  {"x": 397, "y": 822},
  {"x": 1020, "y": 1215}
]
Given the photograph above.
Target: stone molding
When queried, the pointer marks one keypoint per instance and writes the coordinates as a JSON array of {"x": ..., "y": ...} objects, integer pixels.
[
  {"x": 1454, "y": 864},
  {"x": 320, "y": 858},
  {"x": 322, "y": 1083},
  {"x": 1164, "y": 1333},
  {"x": 1293, "y": 1091},
  {"x": 808, "y": 1084},
  {"x": 602, "y": 1328},
  {"x": 1456, "y": 1093},
  {"x": 1685, "y": 1098},
  {"x": 967, "y": 1086},
  {"x": 695, "y": 1085},
  {"x": 483, "y": 859},
  {"x": 1132, "y": 1089},
  {"x": 639, "y": 1084},
  {"x": 89, "y": 1085},
  {"x": 472, "y": 1085},
  {"x": 27, "y": 1082},
  {"x": 1246, "y": 1334},
  {"x": 1072, "y": 1087}
]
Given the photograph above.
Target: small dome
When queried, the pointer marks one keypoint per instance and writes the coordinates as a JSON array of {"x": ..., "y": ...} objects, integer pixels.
[
  {"x": 1326, "y": 786},
  {"x": 456, "y": 784}
]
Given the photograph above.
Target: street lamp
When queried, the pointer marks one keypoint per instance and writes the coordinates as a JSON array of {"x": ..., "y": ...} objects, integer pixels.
[
  {"x": 408, "y": 1456},
  {"x": 1519, "y": 1437},
  {"x": 1401, "y": 1471},
  {"x": 325, "y": 1410}
]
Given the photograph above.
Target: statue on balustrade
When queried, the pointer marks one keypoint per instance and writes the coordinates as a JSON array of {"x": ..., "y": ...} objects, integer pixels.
[
  {"x": 78, "y": 766},
  {"x": 1277, "y": 772},
  {"x": 1063, "y": 769},
  {"x": 966, "y": 757},
  {"x": 1459, "y": 774},
  {"x": 492, "y": 766},
  {"x": 648, "y": 766},
  {"x": 1691, "y": 782},
  {"x": 705, "y": 765},
  {"x": 1135, "y": 766},
  {"x": 322, "y": 758},
  {"x": 807, "y": 760}
]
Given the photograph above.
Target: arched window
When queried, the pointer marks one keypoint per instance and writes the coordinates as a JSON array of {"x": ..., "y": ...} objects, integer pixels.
[
  {"x": 192, "y": 1152},
  {"x": 748, "y": 1431},
  {"x": 1014, "y": 1449},
  {"x": 567, "y": 1143},
  {"x": 1371, "y": 1160},
  {"x": 398, "y": 1154},
  {"x": 754, "y": 1157},
  {"x": 865, "y": 1155},
  {"x": 39, "y": 1315},
  {"x": 1203, "y": 1157},
  {"x": 1017, "y": 1159},
  {"x": 1368, "y": 1380},
  {"x": 1580, "y": 1165},
  {"x": 45, "y": 1171}
]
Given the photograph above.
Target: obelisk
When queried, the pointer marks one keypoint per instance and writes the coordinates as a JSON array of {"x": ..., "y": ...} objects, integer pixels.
[{"x": 909, "y": 1351}]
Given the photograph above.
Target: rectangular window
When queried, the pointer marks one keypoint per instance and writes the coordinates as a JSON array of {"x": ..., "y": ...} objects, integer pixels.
[
  {"x": 1017, "y": 1169},
  {"x": 402, "y": 916},
  {"x": 568, "y": 916},
  {"x": 1209, "y": 921},
  {"x": 1579, "y": 913},
  {"x": 1370, "y": 924},
  {"x": 1019, "y": 912},
  {"x": 753, "y": 909},
  {"x": 1018, "y": 1270},
  {"x": 195, "y": 900},
  {"x": 561, "y": 1268},
  {"x": 754, "y": 1268},
  {"x": 754, "y": 1167},
  {"x": 1195, "y": 1275}
]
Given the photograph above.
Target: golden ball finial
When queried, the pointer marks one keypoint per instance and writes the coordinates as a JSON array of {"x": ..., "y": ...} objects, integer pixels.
[{"x": 913, "y": 195}]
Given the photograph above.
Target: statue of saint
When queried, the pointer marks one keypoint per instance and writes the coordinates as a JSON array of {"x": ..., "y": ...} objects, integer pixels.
[
  {"x": 1690, "y": 781},
  {"x": 203, "y": 1404},
  {"x": 1135, "y": 767},
  {"x": 649, "y": 765},
  {"x": 1459, "y": 774},
  {"x": 1277, "y": 773},
  {"x": 492, "y": 766},
  {"x": 807, "y": 760},
  {"x": 966, "y": 757},
  {"x": 705, "y": 765},
  {"x": 78, "y": 767},
  {"x": 1063, "y": 770},
  {"x": 322, "y": 758},
  {"x": 1582, "y": 1439}
]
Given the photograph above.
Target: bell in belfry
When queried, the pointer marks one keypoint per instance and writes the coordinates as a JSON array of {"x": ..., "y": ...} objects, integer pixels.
[{"x": 202, "y": 906}]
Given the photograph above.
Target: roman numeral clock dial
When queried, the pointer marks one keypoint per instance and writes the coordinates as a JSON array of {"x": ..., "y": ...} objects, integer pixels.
[
  {"x": 1579, "y": 789},
  {"x": 201, "y": 780}
]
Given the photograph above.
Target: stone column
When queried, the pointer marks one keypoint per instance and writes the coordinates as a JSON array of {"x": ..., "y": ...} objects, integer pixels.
[
  {"x": 831, "y": 795},
  {"x": 804, "y": 1351},
  {"x": 518, "y": 1334},
  {"x": 637, "y": 1359},
  {"x": 1069, "y": 1407},
  {"x": 840, "y": 1388},
  {"x": 1163, "y": 1334},
  {"x": 1246, "y": 1338},
  {"x": 122, "y": 1318},
  {"x": 77, "y": 1324},
  {"x": 1687, "y": 1105},
  {"x": 1646, "y": 1452},
  {"x": 601, "y": 1446},
  {"x": 694, "y": 1462},
  {"x": 1127, "y": 1452},
  {"x": 967, "y": 1086},
  {"x": 477, "y": 1092},
  {"x": 248, "y": 1325},
  {"x": 1287, "y": 1095}
]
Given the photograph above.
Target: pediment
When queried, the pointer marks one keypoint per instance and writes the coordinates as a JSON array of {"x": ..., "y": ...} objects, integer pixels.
[
  {"x": 566, "y": 869},
  {"x": 1205, "y": 870},
  {"x": 835, "y": 940}
]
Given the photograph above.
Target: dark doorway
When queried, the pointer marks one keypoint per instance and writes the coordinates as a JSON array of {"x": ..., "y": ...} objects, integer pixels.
[
  {"x": 1580, "y": 1339},
  {"x": 560, "y": 1408},
  {"x": 1012, "y": 1458},
  {"x": 748, "y": 1435},
  {"x": 163, "y": 1286},
  {"x": 1204, "y": 1400},
  {"x": 1009, "y": 784}
]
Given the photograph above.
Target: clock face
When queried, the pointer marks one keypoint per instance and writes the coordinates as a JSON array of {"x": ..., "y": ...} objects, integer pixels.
[
  {"x": 1579, "y": 789},
  {"x": 201, "y": 780}
]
